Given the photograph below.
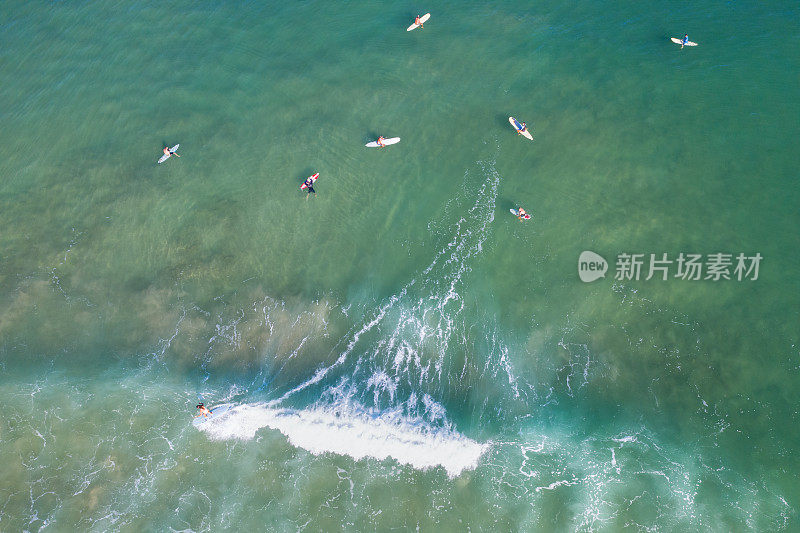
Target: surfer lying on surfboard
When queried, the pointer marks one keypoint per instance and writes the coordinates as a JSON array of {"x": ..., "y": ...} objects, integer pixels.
[{"x": 203, "y": 410}]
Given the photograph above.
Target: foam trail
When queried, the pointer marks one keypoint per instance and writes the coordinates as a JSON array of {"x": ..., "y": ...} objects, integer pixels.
[
  {"x": 319, "y": 374},
  {"x": 356, "y": 433}
]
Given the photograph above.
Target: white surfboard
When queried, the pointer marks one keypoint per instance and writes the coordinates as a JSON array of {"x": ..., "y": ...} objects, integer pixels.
[
  {"x": 386, "y": 142},
  {"x": 424, "y": 18},
  {"x": 516, "y": 214},
  {"x": 680, "y": 41},
  {"x": 314, "y": 178},
  {"x": 517, "y": 125},
  {"x": 167, "y": 156},
  {"x": 216, "y": 411}
]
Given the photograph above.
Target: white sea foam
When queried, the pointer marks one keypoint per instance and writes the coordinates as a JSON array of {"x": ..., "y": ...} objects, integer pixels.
[{"x": 360, "y": 435}]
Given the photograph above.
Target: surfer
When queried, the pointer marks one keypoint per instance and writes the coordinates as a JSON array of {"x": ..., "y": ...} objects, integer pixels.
[
  {"x": 685, "y": 41},
  {"x": 521, "y": 214},
  {"x": 309, "y": 183},
  {"x": 418, "y": 22},
  {"x": 380, "y": 141},
  {"x": 203, "y": 410},
  {"x": 168, "y": 152},
  {"x": 523, "y": 128}
]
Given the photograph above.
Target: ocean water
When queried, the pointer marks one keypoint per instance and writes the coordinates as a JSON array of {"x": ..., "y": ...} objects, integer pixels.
[{"x": 402, "y": 352}]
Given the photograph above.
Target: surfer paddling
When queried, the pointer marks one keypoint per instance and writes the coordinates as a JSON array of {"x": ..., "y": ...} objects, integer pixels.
[{"x": 202, "y": 410}]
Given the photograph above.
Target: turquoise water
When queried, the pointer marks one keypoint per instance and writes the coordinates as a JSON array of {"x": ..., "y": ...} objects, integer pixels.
[{"x": 404, "y": 353}]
